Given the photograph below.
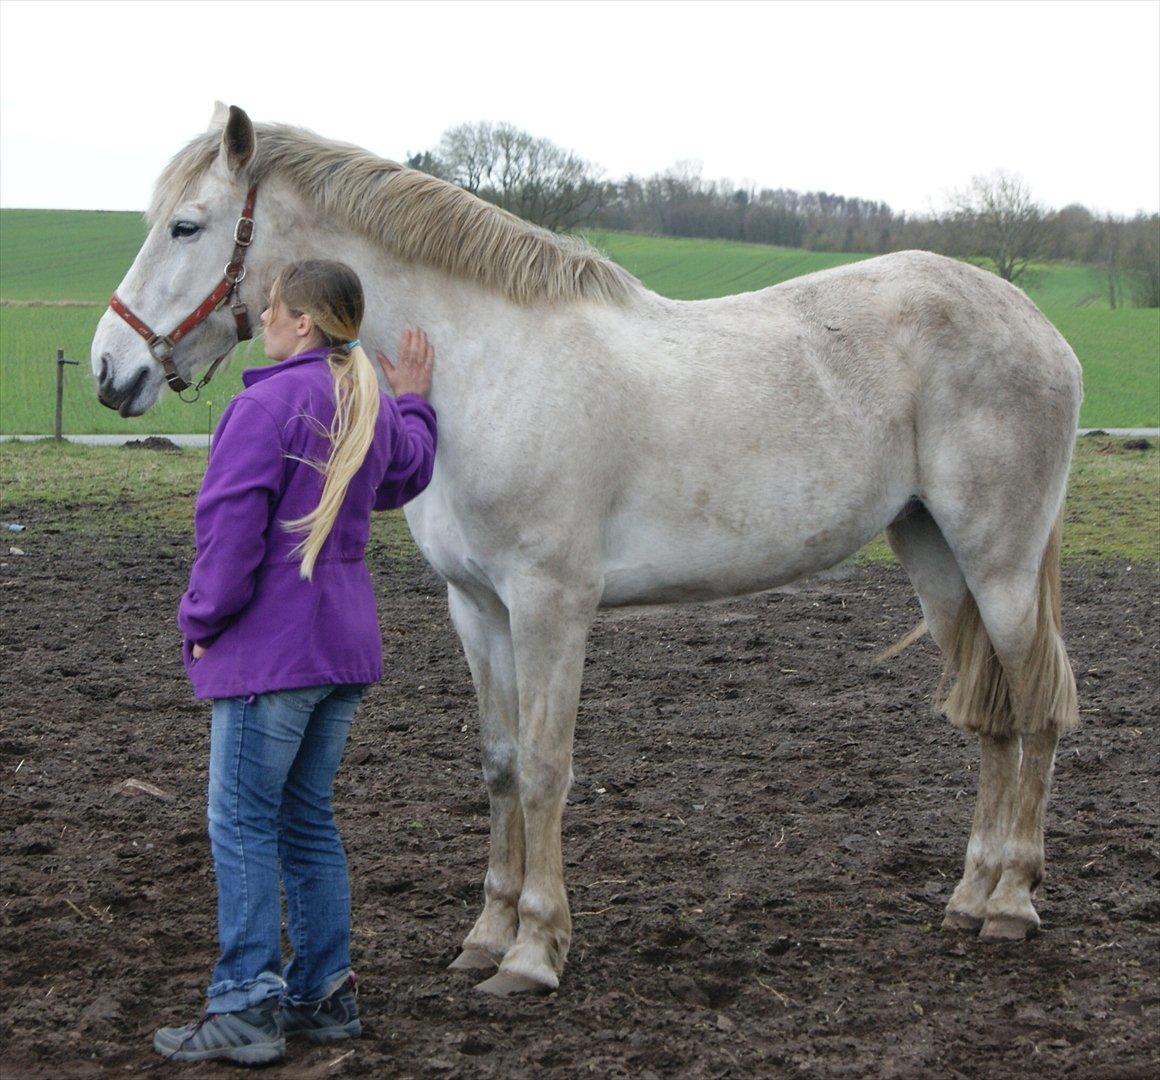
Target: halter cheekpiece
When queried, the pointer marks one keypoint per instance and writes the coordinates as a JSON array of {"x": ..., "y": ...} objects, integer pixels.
[{"x": 161, "y": 346}]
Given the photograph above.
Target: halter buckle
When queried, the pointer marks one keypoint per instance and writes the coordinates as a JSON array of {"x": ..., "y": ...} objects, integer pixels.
[
  {"x": 161, "y": 349},
  {"x": 244, "y": 232}
]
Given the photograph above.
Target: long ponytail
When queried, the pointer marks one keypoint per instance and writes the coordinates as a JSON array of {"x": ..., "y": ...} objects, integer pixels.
[{"x": 331, "y": 294}]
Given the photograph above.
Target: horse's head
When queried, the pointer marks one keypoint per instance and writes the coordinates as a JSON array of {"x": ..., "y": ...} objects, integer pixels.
[{"x": 171, "y": 315}]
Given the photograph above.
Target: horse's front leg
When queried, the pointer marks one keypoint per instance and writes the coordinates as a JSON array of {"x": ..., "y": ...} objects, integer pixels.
[
  {"x": 482, "y": 622},
  {"x": 549, "y": 628}
]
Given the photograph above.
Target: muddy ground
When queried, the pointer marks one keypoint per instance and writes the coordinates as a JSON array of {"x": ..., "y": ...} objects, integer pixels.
[{"x": 762, "y": 835}]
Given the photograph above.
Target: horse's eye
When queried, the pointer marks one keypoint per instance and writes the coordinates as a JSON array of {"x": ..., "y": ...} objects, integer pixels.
[{"x": 183, "y": 228}]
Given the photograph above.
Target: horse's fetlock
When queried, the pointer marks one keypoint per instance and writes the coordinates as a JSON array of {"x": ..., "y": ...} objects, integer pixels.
[
  {"x": 1024, "y": 862},
  {"x": 541, "y": 909},
  {"x": 1031, "y": 874},
  {"x": 502, "y": 888}
]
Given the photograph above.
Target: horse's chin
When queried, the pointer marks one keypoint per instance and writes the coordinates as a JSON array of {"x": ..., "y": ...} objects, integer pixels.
[
  {"x": 137, "y": 398},
  {"x": 131, "y": 408}
]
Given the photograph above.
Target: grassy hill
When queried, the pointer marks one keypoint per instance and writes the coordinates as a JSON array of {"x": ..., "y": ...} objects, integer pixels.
[
  {"x": 79, "y": 256},
  {"x": 700, "y": 269},
  {"x": 66, "y": 254}
]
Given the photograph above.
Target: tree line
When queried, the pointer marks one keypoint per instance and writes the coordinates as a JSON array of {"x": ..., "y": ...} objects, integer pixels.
[{"x": 994, "y": 218}]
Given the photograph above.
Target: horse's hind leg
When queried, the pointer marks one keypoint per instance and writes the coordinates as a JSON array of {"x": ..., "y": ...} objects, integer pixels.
[
  {"x": 1014, "y": 684},
  {"x": 1010, "y": 914},
  {"x": 923, "y": 551},
  {"x": 998, "y": 787},
  {"x": 482, "y": 622}
]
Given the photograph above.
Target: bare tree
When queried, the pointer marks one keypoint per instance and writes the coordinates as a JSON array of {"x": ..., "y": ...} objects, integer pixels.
[
  {"x": 425, "y": 161},
  {"x": 1107, "y": 246},
  {"x": 532, "y": 177},
  {"x": 1144, "y": 260},
  {"x": 995, "y": 217},
  {"x": 467, "y": 155}
]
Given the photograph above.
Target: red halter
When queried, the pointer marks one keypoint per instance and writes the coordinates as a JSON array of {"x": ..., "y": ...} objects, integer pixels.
[{"x": 161, "y": 347}]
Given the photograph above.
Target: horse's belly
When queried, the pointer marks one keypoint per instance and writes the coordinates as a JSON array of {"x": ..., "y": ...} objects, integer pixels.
[
  {"x": 728, "y": 545},
  {"x": 676, "y": 569}
]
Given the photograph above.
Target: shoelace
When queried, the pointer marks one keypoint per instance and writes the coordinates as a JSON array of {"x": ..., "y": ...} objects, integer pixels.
[{"x": 205, "y": 1019}]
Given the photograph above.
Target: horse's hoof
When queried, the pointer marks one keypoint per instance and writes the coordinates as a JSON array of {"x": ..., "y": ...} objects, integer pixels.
[
  {"x": 472, "y": 960},
  {"x": 1007, "y": 928},
  {"x": 960, "y": 920},
  {"x": 505, "y": 983}
]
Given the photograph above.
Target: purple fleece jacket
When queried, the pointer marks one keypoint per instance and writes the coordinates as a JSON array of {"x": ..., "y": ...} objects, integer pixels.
[{"x": 263, "y": 626}]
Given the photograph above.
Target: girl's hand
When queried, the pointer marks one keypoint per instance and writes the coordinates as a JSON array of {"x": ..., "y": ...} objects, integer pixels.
[
  {"x": 198, "y": 652},
  {"x": 412, "y": 374}
]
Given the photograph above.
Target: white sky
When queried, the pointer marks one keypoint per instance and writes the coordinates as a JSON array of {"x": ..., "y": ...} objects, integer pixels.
[{"x": 896, "y": 101}]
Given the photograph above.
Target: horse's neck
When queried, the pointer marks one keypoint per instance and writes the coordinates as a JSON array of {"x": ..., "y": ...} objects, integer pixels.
[{"x": 481, "y": 338}]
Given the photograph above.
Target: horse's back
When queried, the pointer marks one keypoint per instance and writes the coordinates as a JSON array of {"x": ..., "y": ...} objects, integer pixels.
[{"x": 938, "y": 317}]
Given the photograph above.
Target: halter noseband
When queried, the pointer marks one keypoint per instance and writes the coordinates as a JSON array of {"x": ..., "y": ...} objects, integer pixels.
[{"x": 161, "y": 347}]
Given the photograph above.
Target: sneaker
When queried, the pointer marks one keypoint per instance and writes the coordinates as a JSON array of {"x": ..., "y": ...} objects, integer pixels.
[
  {"x": 249, "y": 1037},
  {"x": 333, "y": 1018}
]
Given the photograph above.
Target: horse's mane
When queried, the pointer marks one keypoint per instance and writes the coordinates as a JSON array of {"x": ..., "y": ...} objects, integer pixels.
[{"x": 414, "y": 215}]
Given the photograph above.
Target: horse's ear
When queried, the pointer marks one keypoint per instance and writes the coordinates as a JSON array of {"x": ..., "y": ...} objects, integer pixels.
[
  {"x": 221, "y": 114},
  {"x": 238, "y": 139}
]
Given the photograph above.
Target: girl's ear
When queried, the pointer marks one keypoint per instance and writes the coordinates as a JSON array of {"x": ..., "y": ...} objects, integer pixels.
[{"x": 305, "y": 325}]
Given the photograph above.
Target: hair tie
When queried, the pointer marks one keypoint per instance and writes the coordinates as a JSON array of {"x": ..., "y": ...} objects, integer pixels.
[{"x": 352, "y": 345}]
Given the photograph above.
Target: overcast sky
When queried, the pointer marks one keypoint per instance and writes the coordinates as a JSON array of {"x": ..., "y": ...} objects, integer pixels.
[{"x": 896, "y": 101}]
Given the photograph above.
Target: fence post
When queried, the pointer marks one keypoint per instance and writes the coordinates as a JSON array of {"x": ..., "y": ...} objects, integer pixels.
[
  {"x": 59, "y": 394},
  {"x": 60, "y": 363}
]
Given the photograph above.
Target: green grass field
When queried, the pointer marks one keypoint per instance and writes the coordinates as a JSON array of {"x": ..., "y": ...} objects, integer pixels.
[
  {"x": 79, "y": 256},
  {"x": 1113, "y": 507},
  {"x": 700, "y": 269},
  {"x": 29, "y": 338},
  {"x": 704, "y": 269},
  {"x": 66, "y": 254},
  {"x": 1120, "y": 354}
]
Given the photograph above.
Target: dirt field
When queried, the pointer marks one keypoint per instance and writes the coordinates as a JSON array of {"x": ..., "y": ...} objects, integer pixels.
[{"x": 762, "y": 835}]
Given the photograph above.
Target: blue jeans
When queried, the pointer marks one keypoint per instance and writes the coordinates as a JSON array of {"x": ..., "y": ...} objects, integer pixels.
[{"x": 271, "y": 768}]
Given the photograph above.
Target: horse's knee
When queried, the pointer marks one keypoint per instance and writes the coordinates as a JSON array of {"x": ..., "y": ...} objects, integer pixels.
[
  {"x": 500, "y": 772},
  {"x": 544, "y": 782}
]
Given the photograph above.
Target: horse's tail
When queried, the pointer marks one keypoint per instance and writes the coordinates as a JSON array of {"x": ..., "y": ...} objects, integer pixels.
[
  {"x": 902, "y": 644},
  {"x": 980, "y": 697}
]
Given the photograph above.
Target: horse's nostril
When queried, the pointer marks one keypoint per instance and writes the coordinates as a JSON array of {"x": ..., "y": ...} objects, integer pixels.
[{"x": 104, "y": 376}]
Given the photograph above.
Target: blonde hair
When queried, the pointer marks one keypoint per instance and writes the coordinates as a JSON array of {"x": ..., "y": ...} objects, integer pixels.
[{"x": 331, "y": 294}]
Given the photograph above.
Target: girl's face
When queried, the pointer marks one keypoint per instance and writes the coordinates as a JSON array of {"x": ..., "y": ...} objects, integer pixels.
[{"x": 287, "y": 334}]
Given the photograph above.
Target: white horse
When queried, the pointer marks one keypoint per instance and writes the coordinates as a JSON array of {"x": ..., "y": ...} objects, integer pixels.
[{"x": 601, "y": 445}]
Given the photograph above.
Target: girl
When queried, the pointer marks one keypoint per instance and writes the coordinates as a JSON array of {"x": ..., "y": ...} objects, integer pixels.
[{"x": 281, "y": 631}]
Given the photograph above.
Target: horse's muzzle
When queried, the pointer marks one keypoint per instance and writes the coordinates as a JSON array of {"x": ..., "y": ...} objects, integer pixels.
[{"x": 120, "y": 398}]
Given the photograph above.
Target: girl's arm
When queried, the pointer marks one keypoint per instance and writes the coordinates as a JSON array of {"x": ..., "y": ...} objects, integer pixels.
[
  {"x": 412, "y": 420},
  {"x": 234, "y": 507},
  {"x": 413, "y": 439}
]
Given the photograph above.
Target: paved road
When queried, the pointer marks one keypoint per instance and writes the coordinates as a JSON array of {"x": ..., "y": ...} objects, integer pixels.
[
  {"x": 203, "y": 440},
  {"x": 116, "y": 440}
]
